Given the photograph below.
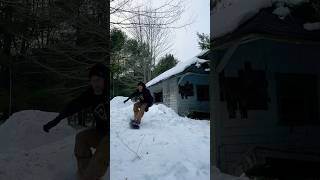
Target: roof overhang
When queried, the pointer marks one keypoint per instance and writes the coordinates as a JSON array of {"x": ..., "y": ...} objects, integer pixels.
[{"x": 232, "y": 45}]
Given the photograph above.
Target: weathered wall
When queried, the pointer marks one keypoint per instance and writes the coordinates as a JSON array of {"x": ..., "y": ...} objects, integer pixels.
[{"x": 262, "y": 128}]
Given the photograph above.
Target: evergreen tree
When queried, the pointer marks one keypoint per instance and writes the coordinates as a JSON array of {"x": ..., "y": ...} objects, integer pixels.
[{"x": 165, "y": 63}]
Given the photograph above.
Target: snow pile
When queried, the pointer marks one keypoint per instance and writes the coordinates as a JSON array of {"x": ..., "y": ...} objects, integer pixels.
[
  {"x": 117, "y": 102},
  {"x": 23, "y": 131},
  {"x": 166, "y": 147},
  {"x": 50, "y": 162},
  {"x": 180, "y": 67},
  {"x": 29, "y": 153},
  {"x": 312, "y": 26},
  {"x": 230, "y": 14}
]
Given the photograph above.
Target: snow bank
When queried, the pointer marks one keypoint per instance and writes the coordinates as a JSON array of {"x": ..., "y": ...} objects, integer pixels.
[
  {"x": 50, "y": 162},
  {"x": 180, "y": 67},
  {"x": 117, "y": 102},
  {"x": 23, "y": 131},
  {"x": 312, "y": 26},
  {"x": 229, "y": 14},
  {"x": 166, "y": 147},
  {"x": 29, "y": 153}
]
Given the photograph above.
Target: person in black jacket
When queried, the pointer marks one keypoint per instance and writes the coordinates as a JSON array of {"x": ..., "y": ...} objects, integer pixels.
[
  {"x": 90, "y": 166},
  {"x": 144, "y": 101}
]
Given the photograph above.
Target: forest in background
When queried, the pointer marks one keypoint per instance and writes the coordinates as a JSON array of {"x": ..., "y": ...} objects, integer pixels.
[{"x": 48, "y": 46}]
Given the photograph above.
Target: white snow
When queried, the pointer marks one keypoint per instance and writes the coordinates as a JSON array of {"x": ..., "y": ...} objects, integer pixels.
[
  {"x": 178, "y": 68},
  {"x": 312, "y": 26},
  {"x": 28, "y": 153},
  {"x": 166, "y": 147},
  {"x": 23, "y": 131},
  {"x": 200, "y": 62},
  {"x": 282, "y": 12},
  {"x": 230, "y": 14}
]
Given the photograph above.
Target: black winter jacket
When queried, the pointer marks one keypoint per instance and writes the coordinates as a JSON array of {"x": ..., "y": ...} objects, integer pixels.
[
  {"x": 147, "y": 97},
  {"x": 98, "y": 104}
]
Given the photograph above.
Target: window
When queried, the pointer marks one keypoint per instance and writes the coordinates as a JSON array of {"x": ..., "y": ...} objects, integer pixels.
[
  {"x": 203, "y": 92},
  {"x": 186, "y": 90},
  {"x": 297, "y": 98},
  {"x": 246, "y": 92}
]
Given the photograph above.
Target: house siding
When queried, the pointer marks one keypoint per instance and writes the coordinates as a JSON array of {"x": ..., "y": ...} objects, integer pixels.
[
  {"x": 236, "y": 136},
  {"x": 191, "y": 104},
  {"x": 170, "y": 91},
  {"x": 172, "y": 98}
]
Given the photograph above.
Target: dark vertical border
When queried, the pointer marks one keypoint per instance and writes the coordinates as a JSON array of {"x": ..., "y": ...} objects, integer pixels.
[
  {"x": 211, "y": 103},
  {"x": 107, "y": 22}
]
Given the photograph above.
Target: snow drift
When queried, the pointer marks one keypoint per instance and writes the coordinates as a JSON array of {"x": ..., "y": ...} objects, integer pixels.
[
  {"x": 28, "y": 153},
  {"x": 23, "y": 131},
  {"x": 166, "y": 147}
]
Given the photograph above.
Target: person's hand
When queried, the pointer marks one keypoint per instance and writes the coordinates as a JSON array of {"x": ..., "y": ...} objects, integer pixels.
[
  {"x": 50, "y": 125},
  {"x": 125, "y": 101},
  {"x": 46, "y": 128}
]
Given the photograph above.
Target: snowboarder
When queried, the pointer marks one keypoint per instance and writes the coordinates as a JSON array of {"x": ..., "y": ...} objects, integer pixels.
[
  {"x": 144, "y": 101},
  {"x": 90, "y": 166}
]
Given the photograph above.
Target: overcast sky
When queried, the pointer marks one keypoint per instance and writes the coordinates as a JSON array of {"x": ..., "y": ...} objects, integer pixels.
[{"x": 184, "y": 40}]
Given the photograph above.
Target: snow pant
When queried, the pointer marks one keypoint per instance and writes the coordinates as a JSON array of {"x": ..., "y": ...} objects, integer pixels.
[
  {"x": 138, "y": 110},
  {"x": 92, "y": 166}
]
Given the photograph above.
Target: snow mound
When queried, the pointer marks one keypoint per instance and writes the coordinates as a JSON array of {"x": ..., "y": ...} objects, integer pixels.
[
  {"x": 23, "y": 131},
  {"x": 178, "y": 68},
  {"x": 117, "y": 102},
  {"x": 52, "y": 161},
  {"x": 166, "y": 147},
  {"x": 29, "y": 153}
]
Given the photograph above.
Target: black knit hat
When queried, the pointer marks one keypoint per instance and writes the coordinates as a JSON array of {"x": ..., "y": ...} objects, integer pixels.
[{"x": 100, "y": 70}]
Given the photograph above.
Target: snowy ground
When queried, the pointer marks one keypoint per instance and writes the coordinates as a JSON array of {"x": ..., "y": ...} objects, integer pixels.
[
  {"x": 166, "y": 147},
  {"x": 28, "y": 153}
]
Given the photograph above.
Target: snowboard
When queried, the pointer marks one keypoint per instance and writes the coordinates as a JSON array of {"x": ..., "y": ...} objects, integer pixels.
[{"x": 134, "y": 126}]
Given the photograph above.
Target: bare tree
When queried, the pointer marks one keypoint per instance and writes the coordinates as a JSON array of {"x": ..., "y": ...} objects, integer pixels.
[
  {"x": 149, "y": 25},
  {"x": 56, "y": 36}
]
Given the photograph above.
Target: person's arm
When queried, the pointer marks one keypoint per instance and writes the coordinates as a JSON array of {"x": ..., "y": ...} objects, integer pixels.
[
  {"x": 131, "y": 96},
  {"x": 71, "y": 108}
]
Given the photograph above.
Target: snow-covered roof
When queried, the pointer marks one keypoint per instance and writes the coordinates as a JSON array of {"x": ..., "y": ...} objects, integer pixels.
[
  {"x": 178, "y": 68},
  {"x": 228, "y": 15}
]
